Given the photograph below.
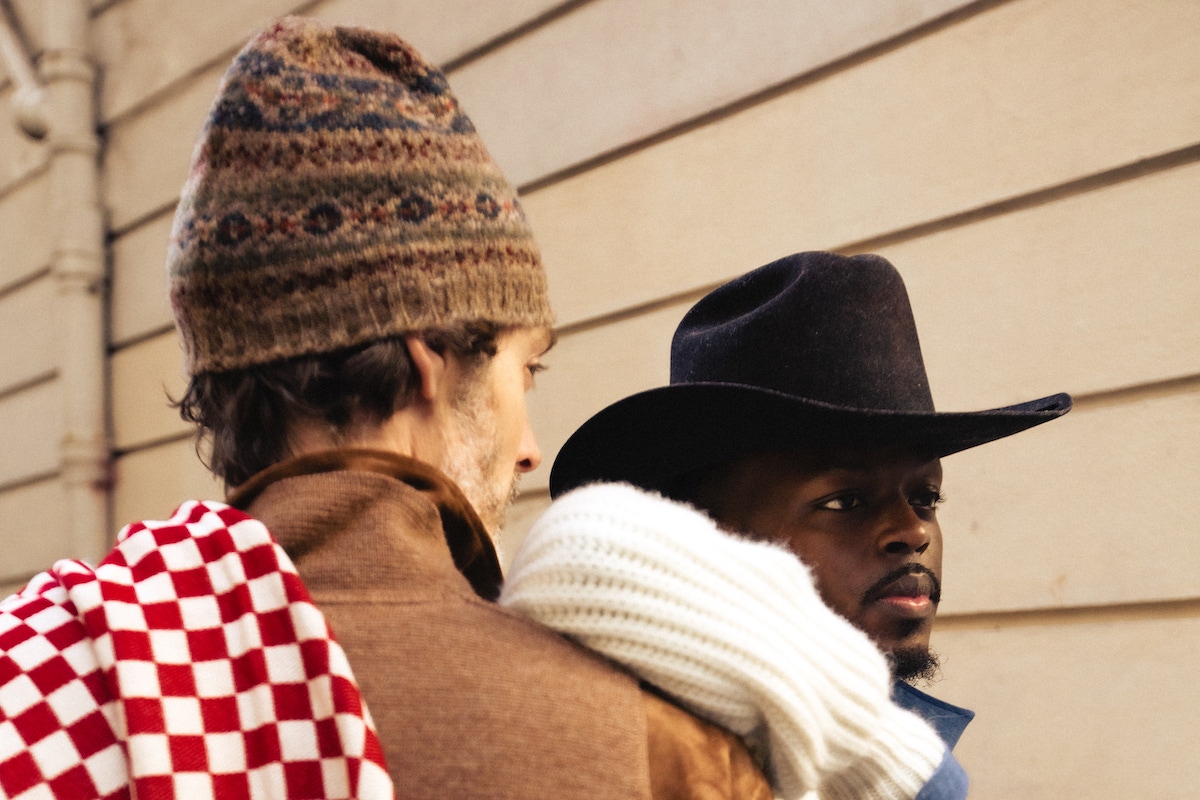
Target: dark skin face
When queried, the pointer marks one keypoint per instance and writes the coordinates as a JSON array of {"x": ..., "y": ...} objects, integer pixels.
[{"x": 864, "y": 519}]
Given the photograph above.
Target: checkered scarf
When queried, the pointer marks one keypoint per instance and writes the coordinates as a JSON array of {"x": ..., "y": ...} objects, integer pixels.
[{"x": 191, "y": 663}]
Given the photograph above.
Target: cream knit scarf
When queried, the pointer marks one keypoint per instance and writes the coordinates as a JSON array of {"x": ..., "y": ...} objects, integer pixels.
[{"x": 734, "y": 630}]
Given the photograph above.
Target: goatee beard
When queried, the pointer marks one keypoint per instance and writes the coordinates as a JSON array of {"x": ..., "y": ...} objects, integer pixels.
[{"x": 910, "y": 664}]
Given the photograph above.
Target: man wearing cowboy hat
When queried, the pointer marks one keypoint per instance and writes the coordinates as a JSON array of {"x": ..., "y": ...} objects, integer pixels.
[{"x": 799, "y": 413}]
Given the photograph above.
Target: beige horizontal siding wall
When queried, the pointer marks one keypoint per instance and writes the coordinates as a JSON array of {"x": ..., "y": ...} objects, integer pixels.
[
  {"x": 1092, "y": 704},
  {"x": 1032, "y": 166},
  {"x": 32, "y": 528}
]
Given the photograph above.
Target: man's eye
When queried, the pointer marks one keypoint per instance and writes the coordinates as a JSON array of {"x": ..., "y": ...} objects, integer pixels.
[
  {"x": 927, "y": 498},
  {"x": 841, "y": 502},
  {"x": 532, "y": 369}
]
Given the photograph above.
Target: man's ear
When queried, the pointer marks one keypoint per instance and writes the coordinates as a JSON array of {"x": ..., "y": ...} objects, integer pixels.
[{"x": 430, "y": 365}]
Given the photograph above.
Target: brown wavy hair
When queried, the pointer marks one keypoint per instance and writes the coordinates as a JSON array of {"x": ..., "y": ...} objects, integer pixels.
[{"x": 244, "y": 415}]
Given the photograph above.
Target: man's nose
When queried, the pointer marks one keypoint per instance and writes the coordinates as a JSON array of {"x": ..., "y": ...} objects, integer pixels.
[
  {"x": 905, "y": 531},
  {"x": 529, "y": 455}
]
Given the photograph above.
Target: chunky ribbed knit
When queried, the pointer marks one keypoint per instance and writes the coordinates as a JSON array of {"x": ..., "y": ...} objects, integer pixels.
[
  {"x": 734, "y": 630},
  {"x": 339, "y": 195}
]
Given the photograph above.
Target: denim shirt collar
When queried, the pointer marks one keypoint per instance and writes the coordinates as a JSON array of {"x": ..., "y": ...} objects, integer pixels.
[{"x": 948, "y": 720}]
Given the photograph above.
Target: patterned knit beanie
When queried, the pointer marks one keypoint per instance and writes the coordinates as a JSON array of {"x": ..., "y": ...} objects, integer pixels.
[{"x": 338, "y": 195}]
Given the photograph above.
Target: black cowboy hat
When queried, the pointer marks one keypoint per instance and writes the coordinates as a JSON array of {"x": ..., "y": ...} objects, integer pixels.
[{"x": 813, "y": 348}]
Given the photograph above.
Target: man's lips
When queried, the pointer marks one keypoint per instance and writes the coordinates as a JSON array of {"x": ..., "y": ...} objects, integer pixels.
[{"x": 912, "y": 591}]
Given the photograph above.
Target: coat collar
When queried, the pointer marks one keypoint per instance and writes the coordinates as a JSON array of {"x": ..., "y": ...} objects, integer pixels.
[
  {"x": 948, "y": 720},
  {"x": 470, "y": 546}
]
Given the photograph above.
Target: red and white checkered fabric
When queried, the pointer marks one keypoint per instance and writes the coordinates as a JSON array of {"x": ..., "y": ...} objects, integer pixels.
[{"x": 190, "y": 663}]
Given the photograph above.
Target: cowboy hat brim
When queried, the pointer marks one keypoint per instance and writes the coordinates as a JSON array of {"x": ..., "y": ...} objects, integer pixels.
[{"x": 655, "y": 436}]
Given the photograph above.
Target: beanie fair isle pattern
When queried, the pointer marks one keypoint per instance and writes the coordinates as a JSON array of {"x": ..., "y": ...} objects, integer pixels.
[
  {"x": 733, "y": 630},
  {"x": 338, "y": 195}
]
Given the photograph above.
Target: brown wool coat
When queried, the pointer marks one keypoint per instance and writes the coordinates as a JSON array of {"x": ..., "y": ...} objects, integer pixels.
[{"x": 470, "y": 699}]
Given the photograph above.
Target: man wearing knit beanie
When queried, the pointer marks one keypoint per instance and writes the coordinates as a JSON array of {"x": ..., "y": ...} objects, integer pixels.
[{"x": 362, "y": 309}]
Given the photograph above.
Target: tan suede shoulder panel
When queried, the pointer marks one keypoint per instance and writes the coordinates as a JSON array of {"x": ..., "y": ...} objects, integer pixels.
[{"x": 691, "y": 759}]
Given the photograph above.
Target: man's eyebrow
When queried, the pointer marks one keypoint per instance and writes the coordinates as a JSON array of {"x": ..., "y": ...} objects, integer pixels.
[
  {"x": 853, "y": 464},
  {"x": 847, "y": 462},
  {"x": 843, "y": 466}
]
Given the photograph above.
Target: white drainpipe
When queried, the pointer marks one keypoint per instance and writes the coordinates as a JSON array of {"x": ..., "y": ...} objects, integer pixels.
[
  {"x": 29, "y": 96},
  {"x": 78, "y": 270}
]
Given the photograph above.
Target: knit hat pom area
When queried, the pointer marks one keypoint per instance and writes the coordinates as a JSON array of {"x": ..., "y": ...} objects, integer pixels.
[
  {"x": 734, "y": 630},
  {"x": 338, "y": 195}
]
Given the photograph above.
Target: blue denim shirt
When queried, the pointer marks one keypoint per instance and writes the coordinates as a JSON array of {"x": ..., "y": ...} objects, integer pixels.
[{"x": 949, "y": 782}]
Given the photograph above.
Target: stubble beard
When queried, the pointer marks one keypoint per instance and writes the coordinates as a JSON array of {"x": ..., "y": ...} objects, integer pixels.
[{"x": 471, "y": 455}]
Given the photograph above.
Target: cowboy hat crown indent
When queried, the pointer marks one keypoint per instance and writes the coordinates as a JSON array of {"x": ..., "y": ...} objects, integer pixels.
[{"x": 813, "y": 348}]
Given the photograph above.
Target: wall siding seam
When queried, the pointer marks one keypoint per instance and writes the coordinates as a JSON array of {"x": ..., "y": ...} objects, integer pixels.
[
  {"x": 535, "y": 493},
  {"x": 177, "y": 85},
  {"x": 151, "y": 444},
  {"x": 1124, "y": 395},
  {"x": 162, "y": 95},
  {"x": 30, "y": 480},
  {"x": 101, "y": 6},
  {"x": 143, "y": 219},
  {"x": 1075, "y": 187},
  {"x": 1123, "y": 173},
  {"x": 120, "y": 345},
  {"x": 586, "y": 324},
  {"x": 545, "y": 19},
  {"x": 26, "y": 178},
  {"x": 1068, "y": 615},
  {"x": 310, "y": 7},
  {"x": 27, "y": 384},
  {"x": 758, "y": 97},
  {"x": 168, "y": 91},
  {"x": 25, "y": 281},
  {"x": 839, "y": 64}
]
